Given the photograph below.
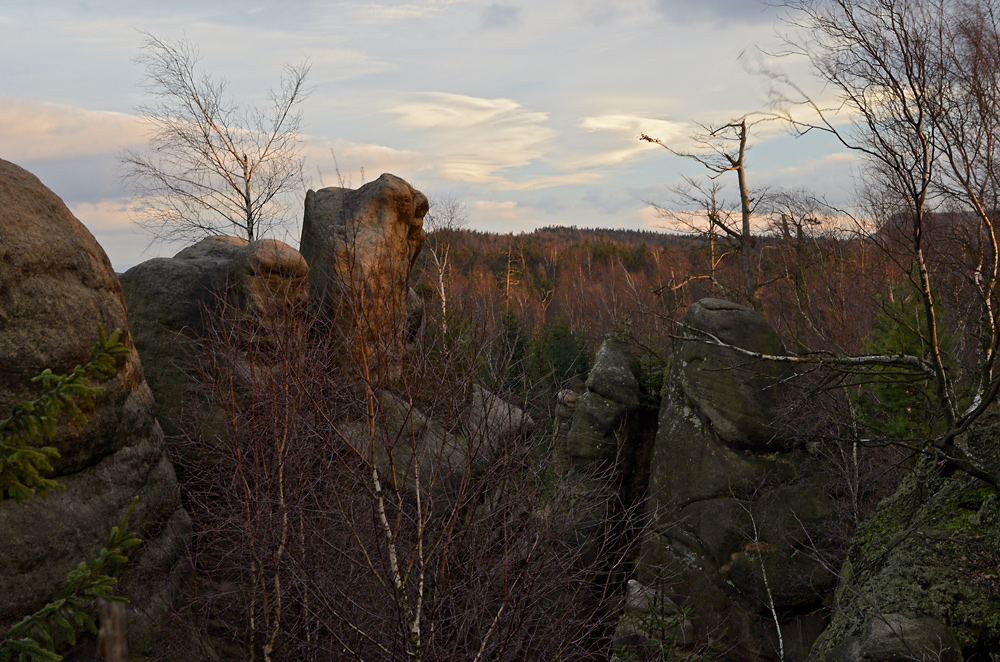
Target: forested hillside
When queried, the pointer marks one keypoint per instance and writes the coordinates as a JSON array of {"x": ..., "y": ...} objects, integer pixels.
[{"x": 819, "y": 287}]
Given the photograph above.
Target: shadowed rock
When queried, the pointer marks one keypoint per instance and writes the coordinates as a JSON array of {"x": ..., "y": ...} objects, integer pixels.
[
  {"x": 168, "y": 298},
  {"x": 56, "y": 285},
  {"x": 728, "y": 515},
  {"x": 741, "y": 397}
]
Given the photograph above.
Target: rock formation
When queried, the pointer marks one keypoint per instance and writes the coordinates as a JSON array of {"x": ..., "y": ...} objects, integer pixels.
[
  {"x": 922, "y": 576},
  {"x": 360, "y": 246},
  {"x": 56, "y": 285},
  {"x": 597, "y": 438},
  {"x": 724, "y": 556},
  {"x": 168, "y": 297}
]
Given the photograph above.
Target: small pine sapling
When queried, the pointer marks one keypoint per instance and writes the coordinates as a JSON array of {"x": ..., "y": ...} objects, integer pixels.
[
  {"x": 35, "y": 637},
  {"x": 22, "y": 469},
  {"x": 23, "y": 465}
]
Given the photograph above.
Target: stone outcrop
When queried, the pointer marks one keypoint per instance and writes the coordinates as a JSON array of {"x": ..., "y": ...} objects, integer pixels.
[
  {"x": 743, "y": 400},
  {"x": 361, "y": 245},
  {"x": 597, "y": 439},
  {"x": 603, "y": 444},
  {"x": 922, "y": 576},
  {"x": 56, "y": 285},
  {"x": 455, "y": 454},
  {"x": 168, "y": 297},
  {"x": 729, "y": 518}
]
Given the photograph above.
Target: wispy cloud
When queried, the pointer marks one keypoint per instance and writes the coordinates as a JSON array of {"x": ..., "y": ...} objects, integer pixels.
[
  {"x": 476, "y": 139},
  {"x": 342, "y": 162},
  {"x": 392, "y": 11},
  {"x": 628, "y": 128}
]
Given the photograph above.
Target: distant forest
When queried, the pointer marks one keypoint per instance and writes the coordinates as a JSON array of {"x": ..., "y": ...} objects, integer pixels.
[{"x": 558, "y": 290}]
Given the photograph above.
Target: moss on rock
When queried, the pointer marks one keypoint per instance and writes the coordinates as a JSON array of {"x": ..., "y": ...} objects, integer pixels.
[{"x": 931, "y": 549}]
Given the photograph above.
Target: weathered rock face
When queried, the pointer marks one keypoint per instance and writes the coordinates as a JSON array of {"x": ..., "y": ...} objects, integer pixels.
[
  {"x": 727, "y": 526},
  {"x": 602, "y": 445},
  {"x": 56, "y": 285},
  {"x": 741, "y": 398},
  {"x": 597, "y": 441},
  {"x": 167, "y": 298},
  {"x": 360, "y": 246},
  {"x": 452, "y": 456},
  {"x": 922, "y": 577}
]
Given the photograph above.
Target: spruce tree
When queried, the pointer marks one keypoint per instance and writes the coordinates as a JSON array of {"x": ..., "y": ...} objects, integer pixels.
[{"x": 23, "y": 465}]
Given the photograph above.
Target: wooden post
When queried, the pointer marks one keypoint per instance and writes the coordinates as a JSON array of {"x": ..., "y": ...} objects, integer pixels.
[{"x": 111, "y": 638}]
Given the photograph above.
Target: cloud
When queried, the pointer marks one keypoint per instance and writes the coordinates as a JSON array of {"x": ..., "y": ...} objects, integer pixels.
[
  {"x": 34, "y": 130},
  {"x": 392, "y": 11},
  {"x": 717, "y": 12},
  {"x": 474, "y": 139},
  {"x": 498, "y": 16},
  {"x": 535, "y": 182},
  {"x": 550, "y": 204},
  {"x": 628, "y": 128},
  {"x": 110, "y": 222},
  {"x": 342, "y": 162},
  {"x": 108, "y": 217},
  {"x": 634, "y": 125}
]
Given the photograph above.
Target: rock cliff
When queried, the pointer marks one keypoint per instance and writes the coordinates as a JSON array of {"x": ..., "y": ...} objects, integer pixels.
[
  {"x": 723, "y": 569},
  {"x": 56, "y": 285}
]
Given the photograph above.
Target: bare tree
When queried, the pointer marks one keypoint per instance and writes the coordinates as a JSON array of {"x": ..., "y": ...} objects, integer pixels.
[
  {"x": 358, "y": 514},
  {"x": 724, "y": 149},
  {"x": 444, "y": 217},
  {"x": 213, "y": 166},
  {"x": 921, "y": 84}
]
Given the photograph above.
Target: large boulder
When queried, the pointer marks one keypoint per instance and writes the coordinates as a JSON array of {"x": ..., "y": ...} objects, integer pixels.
[
  {"x": 743, "y": 398},
  {"x": 361, "y": 245},
  {"x": 56, "y": 286},
  {"x": 729, "y": 519},
  {"x": 922, "y": 576},
  {"x": 168, "y": 299}
]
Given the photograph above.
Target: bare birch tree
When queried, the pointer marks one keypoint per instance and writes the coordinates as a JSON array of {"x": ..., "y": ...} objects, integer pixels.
[
  {"x": 213, "y": 165},
  {"x": 445, "y": 216},
  {"x": 920, "y": 83}
]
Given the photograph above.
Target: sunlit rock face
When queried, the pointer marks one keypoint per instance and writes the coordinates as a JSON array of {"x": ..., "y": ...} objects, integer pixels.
[
  {"x": 56, "y": 286},
  {"x": 172, "y": 302},
  {"x": 361, "y": 245},
  {"x": 733, "y": 503}
]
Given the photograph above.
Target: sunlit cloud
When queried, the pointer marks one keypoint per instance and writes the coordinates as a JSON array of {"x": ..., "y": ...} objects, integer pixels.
[
  {"x": 475, "y": 139},
  {"x": 347, "y": 163},
  {"x": 111, "y": 223},
  {"x": 500, "y": 207},
  {"x": 107, "y": 216},
  {"x": 392, "y": 11},
  {"x": 628, "y": 129},
  {"x": 549, "y": 181},
  {"x": 36, "y": 130},
  {"x": 634, "y": 125}
]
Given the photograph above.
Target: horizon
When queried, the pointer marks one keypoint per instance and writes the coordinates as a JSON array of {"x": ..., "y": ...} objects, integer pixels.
[{"x": 536, "y": 124}]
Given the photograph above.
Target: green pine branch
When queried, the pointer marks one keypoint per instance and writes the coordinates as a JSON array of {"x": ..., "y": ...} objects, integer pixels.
[
  {"x": 35, "y": 637},
  {"x": 22, "y": 469},
  {"x": 22, "y": 464}
]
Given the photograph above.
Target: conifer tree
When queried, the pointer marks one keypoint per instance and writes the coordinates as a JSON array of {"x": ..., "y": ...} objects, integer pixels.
[{"x": 23, "y": 466}]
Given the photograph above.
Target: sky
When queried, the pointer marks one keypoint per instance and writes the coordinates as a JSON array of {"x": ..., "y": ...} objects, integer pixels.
[{"x": 527, "y": 112}]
